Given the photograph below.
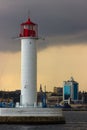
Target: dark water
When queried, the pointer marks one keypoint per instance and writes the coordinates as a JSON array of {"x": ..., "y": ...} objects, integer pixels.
[{"x": 76, "y": 120}]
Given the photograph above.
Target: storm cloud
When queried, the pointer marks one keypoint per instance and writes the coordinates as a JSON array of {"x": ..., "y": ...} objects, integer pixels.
[{"x": 61, "y": 22}]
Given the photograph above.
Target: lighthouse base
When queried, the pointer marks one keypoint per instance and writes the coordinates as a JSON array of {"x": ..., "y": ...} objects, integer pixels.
[{"x": 31, "y": 116}]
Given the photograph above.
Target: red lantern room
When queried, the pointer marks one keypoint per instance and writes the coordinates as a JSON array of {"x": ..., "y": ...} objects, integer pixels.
[{"x": 29, "y": 29}]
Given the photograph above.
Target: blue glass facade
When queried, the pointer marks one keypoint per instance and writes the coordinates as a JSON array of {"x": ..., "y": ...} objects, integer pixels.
[
  {"x": 75, "y": 90},
  {"x": 70, "y": 90},
  {"x": 67, "y": 92}
]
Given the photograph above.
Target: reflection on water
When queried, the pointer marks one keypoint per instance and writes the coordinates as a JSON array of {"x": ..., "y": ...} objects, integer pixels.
[{"x": 74, "y": 121}]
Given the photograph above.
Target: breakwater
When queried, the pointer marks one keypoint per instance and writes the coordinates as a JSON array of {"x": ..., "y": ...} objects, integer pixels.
[{"x": 31, "y": 116}]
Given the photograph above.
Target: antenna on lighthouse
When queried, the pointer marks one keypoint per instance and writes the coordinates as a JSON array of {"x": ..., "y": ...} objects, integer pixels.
[{"x": 29, "y": 13}]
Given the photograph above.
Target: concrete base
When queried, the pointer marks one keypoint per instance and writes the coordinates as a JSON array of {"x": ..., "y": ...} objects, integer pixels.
[{"x": 31, "y": 116}]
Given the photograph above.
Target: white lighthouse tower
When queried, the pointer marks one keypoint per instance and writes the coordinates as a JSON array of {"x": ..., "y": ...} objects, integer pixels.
[
  {"x": 27, "y": 111},
  {"x": 28, "y": 36}
]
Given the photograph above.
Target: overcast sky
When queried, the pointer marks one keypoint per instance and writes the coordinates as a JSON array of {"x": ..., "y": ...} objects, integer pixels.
[{"x": 64, "y": 21}]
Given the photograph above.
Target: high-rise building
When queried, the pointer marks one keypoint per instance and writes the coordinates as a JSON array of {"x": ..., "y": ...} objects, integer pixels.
[{"x": 70, "y": 90}]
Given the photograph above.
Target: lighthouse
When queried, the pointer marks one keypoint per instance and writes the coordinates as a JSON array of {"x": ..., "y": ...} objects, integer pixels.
[
  {"x": 28, "y": 112},
  {"x": 28, "y": 37}
]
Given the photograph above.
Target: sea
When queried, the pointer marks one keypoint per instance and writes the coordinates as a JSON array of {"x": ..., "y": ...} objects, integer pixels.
[{"x": 75, "y": 120}]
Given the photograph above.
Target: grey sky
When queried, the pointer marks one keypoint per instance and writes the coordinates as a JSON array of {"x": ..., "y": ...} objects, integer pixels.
[{"x": 63, "y": 20}]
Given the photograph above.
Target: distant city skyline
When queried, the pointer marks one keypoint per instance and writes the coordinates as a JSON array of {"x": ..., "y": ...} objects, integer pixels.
[{"x": 61, "y": 55}]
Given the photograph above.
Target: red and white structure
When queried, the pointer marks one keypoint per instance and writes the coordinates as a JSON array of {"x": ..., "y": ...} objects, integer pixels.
[
  {"x": 25, "y": 112},
  {"x": 28, "y": 36}
]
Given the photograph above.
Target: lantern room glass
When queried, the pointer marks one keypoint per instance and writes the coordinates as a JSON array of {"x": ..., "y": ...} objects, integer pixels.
[{"x": 29, "y": 30}]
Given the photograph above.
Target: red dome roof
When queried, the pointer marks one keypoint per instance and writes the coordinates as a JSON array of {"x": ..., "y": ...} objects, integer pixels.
[{"x": 28, "y": 22}]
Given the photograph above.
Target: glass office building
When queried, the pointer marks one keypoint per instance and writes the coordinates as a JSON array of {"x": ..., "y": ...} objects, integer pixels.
[
  {"x": 67, "y": 92},
  {"x": 70, "y": 90}
]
